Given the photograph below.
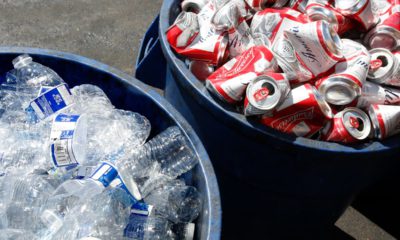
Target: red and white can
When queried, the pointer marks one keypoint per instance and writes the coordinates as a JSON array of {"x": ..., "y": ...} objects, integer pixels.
[
  {"x": 298, "y": 5},
  {"x": 194, "y": 6},
  {"x": 317, "y": 46},
  {"x": 228, "y": 16},
  {"x": 229, "y": 82},
  {"x": 376, "y": 94},
  {"x": 385, "y": 120},
  {"x": 240, "y": 39},
  {"x": 382, "y": 8},
  {"x": 183, "y": 31},
  {"x": 265, "y": 93},
  {"x": 318, "y": 11},
  {"x": 345, "y": 85},
  {"x": 385, "y": 34},
  {"x": 385, "y": 67},
  {"x": 303, "y": 113},
  {"x": 259, "y": 5},
  {"x": 359, "y": 10},
  {"x": 348, "y": 126}
]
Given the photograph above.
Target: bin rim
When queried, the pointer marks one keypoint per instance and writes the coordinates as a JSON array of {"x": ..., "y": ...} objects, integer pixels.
[
  {"x": 213, "y": 194},
  {"x": 251, "y": 129}
]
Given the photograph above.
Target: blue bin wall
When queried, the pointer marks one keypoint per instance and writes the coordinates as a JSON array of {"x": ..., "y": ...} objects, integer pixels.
[{"x": 127, "y": 93}]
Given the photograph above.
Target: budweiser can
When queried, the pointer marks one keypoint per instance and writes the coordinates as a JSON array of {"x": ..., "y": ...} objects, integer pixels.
[
  {"x": 227, "y": 17},
  {"x": 318, "y": 11},
  {"x": 345, "y": 85},
  {"x": 304, "y": 112},
  {"x": 376, "y": 94},
  {"x": 193, "y": 5},
  {"x": 386, "y": 34},
  {"x": 265, "y": 93},
  {"x": 240, "y": 39},
  {"x": 317, "y": 46},
  {"x": 262, "y": 4},
  {"x": 385, "y": 120},
  {"x": 385, "y": 67},
  {"x": 359, "y": 10},
  {"x": 183, "y": 31},
  {"x": 298, "y": 5},
  {"x": 348, "y": 126},
  {"x": 229, "y": 82},
  {"x": 201, "y": 70}
]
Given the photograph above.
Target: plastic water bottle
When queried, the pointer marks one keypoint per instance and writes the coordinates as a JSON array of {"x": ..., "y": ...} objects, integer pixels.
[
  {"x": 175, "y": 202},
  {"x": 16, "y": 234},
  {"x": 91, "y": 99},
  {"x": 148, "y": 227}
]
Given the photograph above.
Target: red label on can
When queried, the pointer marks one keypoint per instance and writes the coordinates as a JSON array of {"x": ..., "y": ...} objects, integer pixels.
[
  {"x": 261, "y": 94},
  {"x": 338, "y": 132}
]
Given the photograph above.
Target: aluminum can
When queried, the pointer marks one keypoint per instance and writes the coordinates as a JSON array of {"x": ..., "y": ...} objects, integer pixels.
[
  {"x": 359, "y": 10},
  {"x": 317, "y": 46},
  {"x": 183, "y": 31},
  {"x": 298, "y": 5},
  {"x": 386, "y": 34},
  {"x": 240, "y": 39},
  {"x": 348, "y": 126},
  {"x": 318, "y": 11},
  {"x": 385, "y": 120},
  {"x": 265, "y": 93},
  {"x": 259, "y": 5},
  {"x": 382, "y": 8},
  {"x": 194, "y": 6},
  {"x": 229, "y": 82},
  {"x": 385, "y": 67},
  {"x": 345, "y": 85},
  {"x": 201, "y": 70},
  {"x": 373, "y": 93},
  {"x": 303, "y": 113}
]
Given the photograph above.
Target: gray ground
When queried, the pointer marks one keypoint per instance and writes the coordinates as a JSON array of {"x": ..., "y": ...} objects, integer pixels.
[{"x": 109, "y": 31}]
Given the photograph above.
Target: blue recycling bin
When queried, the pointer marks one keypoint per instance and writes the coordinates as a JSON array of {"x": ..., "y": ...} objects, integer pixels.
[
  {"x": 284, "y": 186},
  {"x": 125, "y": 92}
]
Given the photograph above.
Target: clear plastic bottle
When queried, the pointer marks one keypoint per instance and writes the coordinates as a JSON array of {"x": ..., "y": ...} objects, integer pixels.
[{"x": 148, "y": 228}]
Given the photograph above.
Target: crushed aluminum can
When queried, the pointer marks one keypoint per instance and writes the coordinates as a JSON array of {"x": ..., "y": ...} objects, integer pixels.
[
  {"x": 298, "y": 5},
  {"x": 376, "y": 94},
  {"x": 183, "y": 31},
  {"x": 385, "y": 120},
  {"x": 229, "y": 82},
  {"x": 317, "y": 46},
  {"x": 319, "y": 11},
  {"x": 201, "y": 70},
  {"x": 359, "y": 10},
  {"x": 194, "y": 6},
  {"x": 227, "y": 17},
  {"x": 304, "y": 112},
  {"x": 382, "y": 8},
  {"x": 385, "y": 34},
  {"x": 345, "y": 85},
  {"x": 272, "y": 22},
  {"x": 265, "y": 93},
  {"x": 348, "y": 126},
  {"x": 259, "y": 5},
  {"x": 385, "y": 67},
  {"x": 240, "y": 39}
]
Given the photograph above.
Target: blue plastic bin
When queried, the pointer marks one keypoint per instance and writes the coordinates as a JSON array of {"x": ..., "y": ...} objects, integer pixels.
[
  {"x": 127, "y": 93},
  {"x": 280, "y": 184}
]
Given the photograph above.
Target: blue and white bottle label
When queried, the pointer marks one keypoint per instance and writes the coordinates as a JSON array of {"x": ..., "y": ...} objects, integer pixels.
[
  {"x": 51, "y": 101},
  {"x": 141, "y": 208},
  {"x": 134, "y": 195},
  {"x": 105, "y": 174},
  {"x": 62, "y": 136}
]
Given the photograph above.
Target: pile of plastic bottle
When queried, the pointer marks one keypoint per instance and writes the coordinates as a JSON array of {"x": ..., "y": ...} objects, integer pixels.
[{"x": 87, "y": 170}]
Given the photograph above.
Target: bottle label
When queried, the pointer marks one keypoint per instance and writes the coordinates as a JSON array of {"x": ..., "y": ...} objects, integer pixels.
[
  {"x": 134, "y": 196},
  {"x": 105, "y": 174},
  {"x": 62, "y": 135},
  {"x": 51, "y": 101},
  {"x": 141, "y": 208}
]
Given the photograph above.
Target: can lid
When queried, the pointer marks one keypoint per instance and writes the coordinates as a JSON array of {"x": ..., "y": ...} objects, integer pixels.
[
  {"x": 356, "y": 122},
  {"x": 350, "y": 6},
  {"x": 385, "y": 70},
  {"x": 331, "y": 39},
  {"x": 192, "y": 6},
  {"x": 264, "y": 93},
  {"x": 339, "y": 90},
  {"x": 316, "y": 13},
  {"x": 324, "y": 106},
  {"x": 383, "y": 36}
]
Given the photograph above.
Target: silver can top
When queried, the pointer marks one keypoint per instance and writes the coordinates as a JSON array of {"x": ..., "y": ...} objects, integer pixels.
[
  {"x": 264, "y": 93},
  {"x": 356, "y": 122},
  {"x": 339, "y": 90},
  {"x": 350, "y": 7},
  {"x": 382, "y": 65},
  {"x": 316, "y": 13},
  {"x": 383, "y": 36},
  {"x": 331, "y": 39},
  {"x": 323, "y": 105}
]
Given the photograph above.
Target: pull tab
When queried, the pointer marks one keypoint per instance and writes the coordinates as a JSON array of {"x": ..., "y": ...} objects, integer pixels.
[
  {"x": 354, "y": 122},
  {"x": 375, "y": 64},
  {"x": 261, "y": 94}
]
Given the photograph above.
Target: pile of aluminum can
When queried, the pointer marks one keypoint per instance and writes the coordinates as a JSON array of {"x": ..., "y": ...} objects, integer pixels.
[{"x": 322, "y": 69}]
